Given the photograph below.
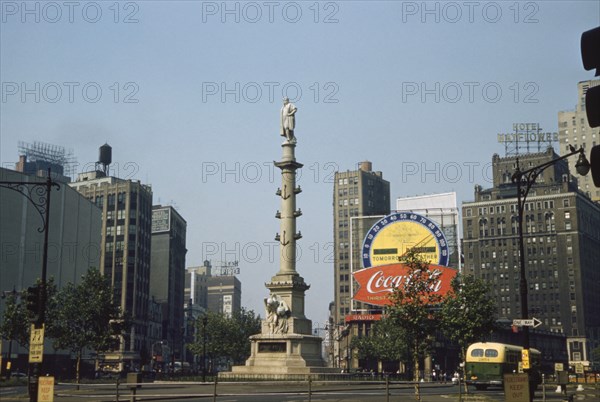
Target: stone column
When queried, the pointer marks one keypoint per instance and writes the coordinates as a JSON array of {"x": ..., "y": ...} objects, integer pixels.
[{"x": 287, "y": 236}]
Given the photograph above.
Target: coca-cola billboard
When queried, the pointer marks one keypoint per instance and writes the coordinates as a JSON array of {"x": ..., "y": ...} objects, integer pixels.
[{"x": 377, "y": 284}]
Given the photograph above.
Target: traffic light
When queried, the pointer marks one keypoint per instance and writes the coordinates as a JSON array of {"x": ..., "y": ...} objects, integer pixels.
[
  {"x": 32, "y": 299},
  {"x": 595, "y": 164},
  {"x": 590, "y": 54}
]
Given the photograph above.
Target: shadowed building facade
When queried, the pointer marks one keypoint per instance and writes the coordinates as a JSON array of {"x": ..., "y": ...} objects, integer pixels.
[
  {"x": 167, "y": 272},
  {"x": 561, "y": 228},
  {"x": 74, "y": 238}
]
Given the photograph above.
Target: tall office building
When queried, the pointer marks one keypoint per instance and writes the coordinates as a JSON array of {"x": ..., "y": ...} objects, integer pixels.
[
  {"x": 224, "y": 294},
  {"x": 195, "y": 304},
  {"x": 359, "y": 198},
  {"x": 125, "y": 252},
  {"x": 205, "y": 291},
  {"x": 561, "y": 228},
  {"x": 573, "y": 129},
  {"x": 167, "y": 272},
  {"x": 196, "y": 283}
]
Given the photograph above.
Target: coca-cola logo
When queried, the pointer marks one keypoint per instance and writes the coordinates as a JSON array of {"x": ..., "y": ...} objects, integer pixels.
[
  {"x": 380, "y": 282},
  {"x": 376, "y": 284}
]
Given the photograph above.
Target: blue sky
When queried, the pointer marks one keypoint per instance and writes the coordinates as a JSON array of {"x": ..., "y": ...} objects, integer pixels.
[{"x": 191, "y": 91}]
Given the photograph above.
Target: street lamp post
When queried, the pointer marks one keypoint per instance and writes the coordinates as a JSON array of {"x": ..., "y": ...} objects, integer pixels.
[
  {"x": 38, "y": 193},
  {"x": 348, "y": 351},
  {"x": 204, "y": 322},
  {"x": 346, "y": 334},
  {"x": 330, "y": 344},
  {"x": 525, "y": 180}
]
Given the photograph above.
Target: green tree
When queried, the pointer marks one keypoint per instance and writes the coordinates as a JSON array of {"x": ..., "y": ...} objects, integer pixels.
[
  {"x": 227, "y": 338},
  {"x": 412, "y": 309},
  {"x": 468, "y": 312},
  {"x": 385, "y": 342},
  {"x": 245, "y": 324},
  {"x": 365, "y": 347},
  {"x": 15, "y": 322},
  {"x": 86, "y": 316}
]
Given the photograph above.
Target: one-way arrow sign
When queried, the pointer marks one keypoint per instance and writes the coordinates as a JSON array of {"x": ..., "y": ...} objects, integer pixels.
[{"x": 530, "y": 322}]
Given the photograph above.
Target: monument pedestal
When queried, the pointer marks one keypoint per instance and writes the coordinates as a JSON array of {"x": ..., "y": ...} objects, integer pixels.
[
  {"x": 276, "y": 354},
  {"x": 279, "y": 355}
]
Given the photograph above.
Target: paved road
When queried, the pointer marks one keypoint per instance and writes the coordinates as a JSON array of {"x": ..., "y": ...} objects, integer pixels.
[{"x": 279, "y": 392}]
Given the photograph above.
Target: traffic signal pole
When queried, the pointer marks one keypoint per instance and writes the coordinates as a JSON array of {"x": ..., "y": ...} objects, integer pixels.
[{"x": 33, "y": 192}]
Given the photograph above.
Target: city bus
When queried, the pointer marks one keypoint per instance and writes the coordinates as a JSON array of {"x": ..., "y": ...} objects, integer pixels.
[{"x": 487, "y": 362}]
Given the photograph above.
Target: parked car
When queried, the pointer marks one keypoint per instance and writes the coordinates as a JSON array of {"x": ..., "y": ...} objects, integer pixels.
[{"x": 18, "y": 374}]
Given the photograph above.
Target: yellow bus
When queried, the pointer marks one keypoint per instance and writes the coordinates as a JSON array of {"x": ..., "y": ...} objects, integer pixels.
[{"x": 487, "y": 362}]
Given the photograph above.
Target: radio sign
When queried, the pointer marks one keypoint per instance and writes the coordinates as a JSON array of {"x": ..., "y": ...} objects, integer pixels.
[{"x": 362, "y": 317}]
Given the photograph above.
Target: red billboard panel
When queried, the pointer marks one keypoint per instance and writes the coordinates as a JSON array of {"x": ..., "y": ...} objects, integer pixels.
[{"x": 376, "y": 284}]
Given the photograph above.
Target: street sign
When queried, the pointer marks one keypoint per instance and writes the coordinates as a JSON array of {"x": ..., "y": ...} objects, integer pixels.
[
  {"x": 527, "y": 322},
  {"x": 558, "y": 367},
  {"x": 525, "y": 359},
  {"x": 36, "y": 344},
  {"x": 578, "y": 368},
  {"x": 46, "y": 389},
  {"x": 516, "y": 387}
]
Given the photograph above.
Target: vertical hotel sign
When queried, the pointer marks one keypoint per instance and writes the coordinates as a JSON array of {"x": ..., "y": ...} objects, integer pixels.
[{"x": 161, "y": 220}]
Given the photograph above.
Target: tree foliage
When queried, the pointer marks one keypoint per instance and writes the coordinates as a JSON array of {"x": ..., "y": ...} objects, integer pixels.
[
  {"x": 412, "y": 308},
  {"x": 227, "y": 338},
  {"x": 468, "y": 312},
  {"x": 86, "y": 316},
  {"x": 15, "y": 323},
  {"x": 385, "y": 342}
]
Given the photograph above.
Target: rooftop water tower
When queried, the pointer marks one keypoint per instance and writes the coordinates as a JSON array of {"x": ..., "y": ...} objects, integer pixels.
[{"x": 104, "y": 158}]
